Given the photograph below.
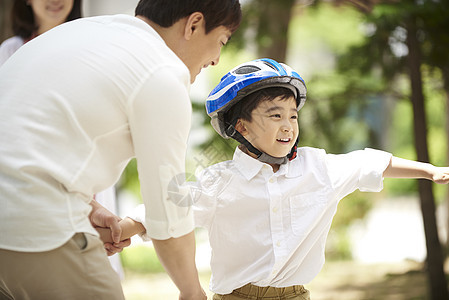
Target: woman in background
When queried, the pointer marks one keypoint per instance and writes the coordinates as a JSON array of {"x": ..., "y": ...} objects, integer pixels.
[{"x": 31, "y": 18}]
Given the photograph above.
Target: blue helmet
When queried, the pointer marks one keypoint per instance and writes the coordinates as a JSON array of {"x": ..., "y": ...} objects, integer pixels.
[
  {"x": 248, "y": 78},
  {"x": 243, "y": 80}
]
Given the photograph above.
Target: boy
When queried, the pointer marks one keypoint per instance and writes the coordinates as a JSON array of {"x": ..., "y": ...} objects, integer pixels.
[{"x": 269, "y": 210}]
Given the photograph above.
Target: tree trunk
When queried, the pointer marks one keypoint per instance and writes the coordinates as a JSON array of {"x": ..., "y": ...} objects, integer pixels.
[
  {"x": 272, "y": 30},
  {"x": 437, "y": 280},
  {"x": 445, "y": 72}
]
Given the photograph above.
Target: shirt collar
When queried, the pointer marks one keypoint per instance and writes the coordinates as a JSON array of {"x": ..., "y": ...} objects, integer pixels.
[
  {"x": 294, "y": 167},
  {"x": 250, "y": 167}
]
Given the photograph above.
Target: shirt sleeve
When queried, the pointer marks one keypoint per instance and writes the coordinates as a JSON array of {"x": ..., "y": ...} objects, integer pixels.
[
  {"x": 362, "y": 169},
  {"x": 159, "y": 118},
  {"x": 201, "y": 194},
  {"x": 205, "y": 196}
]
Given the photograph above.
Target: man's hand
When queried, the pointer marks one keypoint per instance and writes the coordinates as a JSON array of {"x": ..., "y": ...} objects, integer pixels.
[{"x": 101, "y": 217}]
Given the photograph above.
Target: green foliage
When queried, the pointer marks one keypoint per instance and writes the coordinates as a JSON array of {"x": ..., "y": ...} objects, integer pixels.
[
  {"x": 401, "y": 139},
  {"x": 335, "y": 116},
  {"x": 324, "y": 26},
  {"x": 353, "y": 207},
  {"x": 130, "y": 179},
  {"x": 338, "y": 117},
  {"x": 142, "y": 259},
  {"x": 338, "y": 245}
]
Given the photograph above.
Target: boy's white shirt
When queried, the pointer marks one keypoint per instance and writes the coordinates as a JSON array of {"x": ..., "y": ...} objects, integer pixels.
[{"x": 270, "y": 229}]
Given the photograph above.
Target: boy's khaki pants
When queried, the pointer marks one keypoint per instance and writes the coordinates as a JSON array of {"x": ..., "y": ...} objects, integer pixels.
[
  {"x": 249, "y": 291},
  {"x": 77, "y": 270}
]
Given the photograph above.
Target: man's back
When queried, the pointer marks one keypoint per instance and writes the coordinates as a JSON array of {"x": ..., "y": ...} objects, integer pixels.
[{"x": 86, "y": 75}]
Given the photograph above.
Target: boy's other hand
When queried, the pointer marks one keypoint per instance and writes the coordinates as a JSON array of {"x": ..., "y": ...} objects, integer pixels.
[{"x": 441, "y": 175}]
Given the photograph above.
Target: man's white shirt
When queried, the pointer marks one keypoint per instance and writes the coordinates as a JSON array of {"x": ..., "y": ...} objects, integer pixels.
[{"x": 76, "y": 104}]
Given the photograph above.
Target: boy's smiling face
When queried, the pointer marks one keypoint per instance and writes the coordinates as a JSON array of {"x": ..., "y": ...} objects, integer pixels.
[{"x": 273, "y": 128}]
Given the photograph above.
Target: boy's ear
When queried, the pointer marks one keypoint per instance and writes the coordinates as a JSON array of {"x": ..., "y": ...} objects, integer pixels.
[
  {"x": 194, "y": 22},
  {"x": 240, "y": 127}
]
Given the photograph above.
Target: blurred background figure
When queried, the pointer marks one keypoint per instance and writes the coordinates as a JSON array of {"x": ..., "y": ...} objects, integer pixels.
[{"x": 30, "y": 18}]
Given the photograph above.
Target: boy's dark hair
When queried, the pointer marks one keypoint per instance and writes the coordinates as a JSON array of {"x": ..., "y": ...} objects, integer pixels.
[
  {"x": 216, "y": 12},
  {"x": 244, "y": 108},
  {"x": 23, "y": 23}
]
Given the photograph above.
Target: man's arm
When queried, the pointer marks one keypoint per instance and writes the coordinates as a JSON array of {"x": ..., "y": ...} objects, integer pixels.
[
  {"x": 404, "y": 168},
  {"x": 160, "y": 159},
  {"x": 177, "y": 255}
]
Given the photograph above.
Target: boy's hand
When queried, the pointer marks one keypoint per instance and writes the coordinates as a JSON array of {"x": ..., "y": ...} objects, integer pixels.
[
  {"x": 111, "y": 247},
  {"x": 441, "y": 175},
  {"x": 105, "y": 234}
]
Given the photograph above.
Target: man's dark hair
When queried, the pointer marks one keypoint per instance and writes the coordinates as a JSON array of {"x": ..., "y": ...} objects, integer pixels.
[
  {"x": 23, "y": 23},
  {"x": 216, "y": 12},
  {"x": 244, "y": 108}
]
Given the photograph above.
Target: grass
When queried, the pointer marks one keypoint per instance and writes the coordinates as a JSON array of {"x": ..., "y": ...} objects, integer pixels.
[{"x": 141, "y": 259}]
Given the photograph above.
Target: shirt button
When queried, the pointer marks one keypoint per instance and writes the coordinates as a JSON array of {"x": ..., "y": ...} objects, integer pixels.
[
  {"x": 272, "y": 180},
  {"x": 278, "y": 243},
  {"x": 275, "y": 209}
]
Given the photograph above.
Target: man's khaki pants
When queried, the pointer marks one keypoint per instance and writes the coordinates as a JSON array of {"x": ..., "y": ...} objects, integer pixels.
[
  {"x": 77, "y": 270},
  {"x": 249, "y": 291}
]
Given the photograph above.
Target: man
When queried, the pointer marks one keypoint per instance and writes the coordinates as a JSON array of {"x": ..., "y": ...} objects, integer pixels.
[{"x": 76, "y": 104}]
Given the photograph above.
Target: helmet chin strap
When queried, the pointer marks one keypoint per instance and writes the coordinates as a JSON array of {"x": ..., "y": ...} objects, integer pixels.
[{"x": 261, "y": 156}]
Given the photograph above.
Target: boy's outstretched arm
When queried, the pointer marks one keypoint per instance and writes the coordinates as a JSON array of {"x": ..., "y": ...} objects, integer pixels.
[{"x": 404, "y": 168}]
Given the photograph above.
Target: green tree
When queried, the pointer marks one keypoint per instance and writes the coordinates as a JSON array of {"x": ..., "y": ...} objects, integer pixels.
[
  {"x": 404, "y": 24},
  {"x": 435, "y": 21}
]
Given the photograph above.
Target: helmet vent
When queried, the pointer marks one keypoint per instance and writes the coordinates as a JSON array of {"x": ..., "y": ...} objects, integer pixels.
[
  {"x": 246, "y": 70},
  {"x": 270, "y": 65}
]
